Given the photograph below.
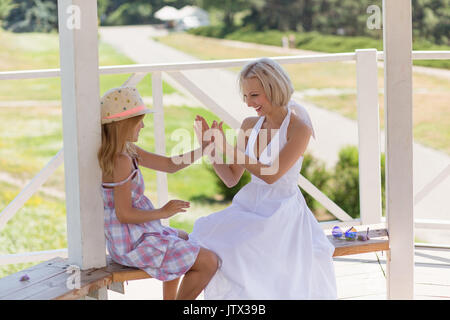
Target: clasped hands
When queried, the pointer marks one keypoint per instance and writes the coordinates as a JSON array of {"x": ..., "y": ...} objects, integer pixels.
[{"x": 212, "y": 139}]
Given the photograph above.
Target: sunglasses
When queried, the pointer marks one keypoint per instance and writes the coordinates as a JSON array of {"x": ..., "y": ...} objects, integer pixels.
[{"x": 351, "y": 234}]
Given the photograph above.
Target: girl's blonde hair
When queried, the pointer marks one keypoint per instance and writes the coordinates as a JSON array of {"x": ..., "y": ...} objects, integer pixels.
[
  {"x": 275, "y": 81},
  {"x": 115, "y": 140}
]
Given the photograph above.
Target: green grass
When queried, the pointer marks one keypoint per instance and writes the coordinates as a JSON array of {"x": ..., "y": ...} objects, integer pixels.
[
  {"x": 316, "y": 41},
  {"x": 32, "y": 51},
  {"x": 39, "y": 225},
  {"x": 431, "y": 112}
]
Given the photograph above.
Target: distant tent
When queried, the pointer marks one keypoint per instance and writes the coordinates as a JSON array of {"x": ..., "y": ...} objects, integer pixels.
[
  {"x": 167, "y": 13},
  {"x": 201, "y": 14},
  {"x": 192, "y": 17},
  {"x": 185, "y": 18}
]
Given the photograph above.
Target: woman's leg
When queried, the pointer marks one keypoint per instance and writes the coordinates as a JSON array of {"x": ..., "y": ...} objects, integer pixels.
[
  {"x": 201, "y": 272},
  {"x": 170, "y": 289}
]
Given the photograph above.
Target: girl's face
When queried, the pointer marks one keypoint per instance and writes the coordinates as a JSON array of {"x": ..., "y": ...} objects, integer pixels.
[
  {"x": 255, "y": 97},
  {"x": 136, "y": 131}
]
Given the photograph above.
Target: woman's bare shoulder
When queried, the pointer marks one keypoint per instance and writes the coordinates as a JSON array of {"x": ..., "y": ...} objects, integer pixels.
[{"x": 297, "y": 127}]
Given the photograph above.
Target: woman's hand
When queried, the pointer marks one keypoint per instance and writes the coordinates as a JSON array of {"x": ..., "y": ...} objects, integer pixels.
[
  {"x": 219, "y": 137},
  {"x": 174, "y": 206},
  {"x": 200, "y": 128}
]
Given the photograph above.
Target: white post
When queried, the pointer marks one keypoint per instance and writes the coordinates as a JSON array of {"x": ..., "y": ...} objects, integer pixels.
[
  {"x": 397, "y": 39},
  {"x": 160, "y": 140},
  {"x": 369, "y": 136},
  {"x": 81, "y": 131}
]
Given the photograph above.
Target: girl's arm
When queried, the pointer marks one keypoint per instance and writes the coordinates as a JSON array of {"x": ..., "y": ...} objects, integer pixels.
[
  {"x": 169, "y": 164},
  {"x": 294, "y": 148},
  {"x": 125, "y": 212}
]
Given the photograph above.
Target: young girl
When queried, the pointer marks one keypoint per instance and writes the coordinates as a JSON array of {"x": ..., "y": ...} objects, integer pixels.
[
  {"x": 270, "y": 244},
  {"x": 134, "y": 234}
]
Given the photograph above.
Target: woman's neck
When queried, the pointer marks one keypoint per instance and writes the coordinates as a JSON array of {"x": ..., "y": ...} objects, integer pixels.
[{"x": 276, "y": 117}]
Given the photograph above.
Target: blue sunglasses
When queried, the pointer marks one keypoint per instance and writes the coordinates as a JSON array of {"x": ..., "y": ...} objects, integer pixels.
[{"x": 350, "y": 234}]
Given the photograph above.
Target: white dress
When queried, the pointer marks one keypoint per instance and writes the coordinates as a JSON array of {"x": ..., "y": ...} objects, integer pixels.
[{"x": 269, "y": 242}]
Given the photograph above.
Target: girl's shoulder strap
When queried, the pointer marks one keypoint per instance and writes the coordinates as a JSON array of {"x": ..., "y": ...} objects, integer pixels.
[{"x": 115, "y": 184}]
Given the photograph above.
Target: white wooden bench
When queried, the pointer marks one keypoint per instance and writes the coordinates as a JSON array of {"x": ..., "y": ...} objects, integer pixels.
[{"x": 48, "y": 280}]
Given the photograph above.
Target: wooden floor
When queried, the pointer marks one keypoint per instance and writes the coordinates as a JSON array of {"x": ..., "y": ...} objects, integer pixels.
[{"x": 361, "y": 276}]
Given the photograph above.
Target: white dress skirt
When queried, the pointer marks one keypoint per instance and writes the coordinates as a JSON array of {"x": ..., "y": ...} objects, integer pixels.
[{"x": 269, "y": 242}]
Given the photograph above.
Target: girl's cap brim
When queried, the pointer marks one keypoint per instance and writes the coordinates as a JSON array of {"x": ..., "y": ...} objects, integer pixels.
[{"x": 128, "y": 114}]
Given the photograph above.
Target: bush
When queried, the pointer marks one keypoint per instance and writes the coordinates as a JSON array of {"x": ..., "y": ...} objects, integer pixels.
[
  {"x": 341, "y": 184},
  {"x": 315, "y": 171},
  {"x": 229, "y": 193},
  {"x": 345, "y": 181},
  {"x": 345, "y": 185}
]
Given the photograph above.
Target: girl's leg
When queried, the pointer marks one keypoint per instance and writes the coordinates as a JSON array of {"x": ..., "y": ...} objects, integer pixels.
[
  {"x": 170, "y": 289},
  {"x": 196, "y": 279}
]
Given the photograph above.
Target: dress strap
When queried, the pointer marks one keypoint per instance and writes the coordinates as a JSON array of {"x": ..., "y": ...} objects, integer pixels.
[
  {"x": 253, "y": 135},
  {"x": 115, "y": 184}
]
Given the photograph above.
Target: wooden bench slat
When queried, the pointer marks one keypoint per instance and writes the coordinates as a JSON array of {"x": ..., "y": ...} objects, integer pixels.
[
  {"x": 38, "y": 273},
  {"x": 121, "y": 273},
  {"x": 379, "y": 241}
]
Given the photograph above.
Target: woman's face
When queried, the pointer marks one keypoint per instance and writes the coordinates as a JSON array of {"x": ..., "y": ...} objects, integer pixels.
[{"x": 255, "y": 97}]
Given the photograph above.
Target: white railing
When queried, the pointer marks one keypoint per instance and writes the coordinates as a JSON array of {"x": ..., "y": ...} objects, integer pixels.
[{"x": 368, "y": 134}]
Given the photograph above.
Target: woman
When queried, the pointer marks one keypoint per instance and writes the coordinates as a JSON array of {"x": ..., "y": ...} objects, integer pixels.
[{"x": 269, "y": 242}]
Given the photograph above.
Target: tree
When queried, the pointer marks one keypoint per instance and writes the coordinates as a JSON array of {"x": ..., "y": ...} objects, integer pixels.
[
  {"x": 5, "y": 7},
  {"x": 32, "y": 15},
  {"x": 228, "y": 7}
]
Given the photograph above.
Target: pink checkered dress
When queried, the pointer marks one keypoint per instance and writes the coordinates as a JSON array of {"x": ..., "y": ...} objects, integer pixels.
[{"x": 149, "y": 246}]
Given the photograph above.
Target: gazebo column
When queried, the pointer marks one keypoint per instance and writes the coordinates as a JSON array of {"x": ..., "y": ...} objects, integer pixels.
[
  {"x": 81, "y": 131},
  {"x": 397, "y": 39}
]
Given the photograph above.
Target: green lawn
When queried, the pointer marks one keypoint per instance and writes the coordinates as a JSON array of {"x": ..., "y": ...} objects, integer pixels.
[
  {"x": 431, "y": 110},
  {"x": 316, "y": 41},
  {"x": 34, "y": 51}
]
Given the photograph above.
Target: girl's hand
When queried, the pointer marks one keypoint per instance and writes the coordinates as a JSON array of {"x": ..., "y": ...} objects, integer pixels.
[{"x": 174, "y": 206}]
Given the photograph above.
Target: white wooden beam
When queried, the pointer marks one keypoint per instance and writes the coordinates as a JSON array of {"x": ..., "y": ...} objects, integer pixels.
[
  {"x": 368, "y": 136},
  {"x": 397, "y": 40},
  {"x": 81, "y": 131},
  {"x": 160, "y": 138},
  {"x": 30, "y": 189}
]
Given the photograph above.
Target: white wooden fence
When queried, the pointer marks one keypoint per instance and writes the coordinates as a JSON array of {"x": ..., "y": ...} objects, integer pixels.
[{"x": 368, "y": 132}]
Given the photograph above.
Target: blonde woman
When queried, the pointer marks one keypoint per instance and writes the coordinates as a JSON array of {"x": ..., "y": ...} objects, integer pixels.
[
  {"x": 270, "y": 244},
  {"x": 134, "y": 234}
]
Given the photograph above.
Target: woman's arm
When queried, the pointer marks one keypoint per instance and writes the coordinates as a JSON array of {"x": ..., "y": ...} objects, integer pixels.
[
  {"x": 125, "y": 212},
  {"x": 294, "y": 148},
  {"x": 230, "y": 174}
]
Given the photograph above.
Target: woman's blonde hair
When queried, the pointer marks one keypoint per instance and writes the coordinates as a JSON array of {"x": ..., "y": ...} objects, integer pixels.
[
  {"x": 275, "y": 81},
  {"x": 115, "y": 140}
]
